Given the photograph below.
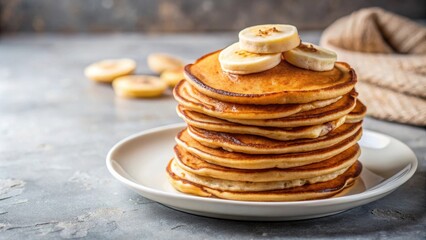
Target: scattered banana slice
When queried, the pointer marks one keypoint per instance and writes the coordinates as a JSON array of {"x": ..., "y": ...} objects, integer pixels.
[
  {"x": 311, "y": 57},
  {"x": 139, "y": 86},
  {"x": 172, "y": 77},
  {"x": 235, "y": 60},
  {"x": 269, "y": 38},
  {"x": 110, "y": 69},
  {"x": 160, "y": 62}
]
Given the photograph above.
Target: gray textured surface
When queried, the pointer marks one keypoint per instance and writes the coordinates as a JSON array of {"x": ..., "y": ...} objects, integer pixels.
[
  {"x": 182, "y": 15},
  {"x": 56, "y": 128}
]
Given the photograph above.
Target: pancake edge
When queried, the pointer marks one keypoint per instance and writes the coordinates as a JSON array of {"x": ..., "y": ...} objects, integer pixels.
[
  {"x": 268, "y": 175},
  {"x": 188, "y": 187},
  {"x": 267, "y": 161},
  {"x": 251, "y": 149}
]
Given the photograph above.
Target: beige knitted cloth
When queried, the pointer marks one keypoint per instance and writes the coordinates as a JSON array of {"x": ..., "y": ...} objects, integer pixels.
[{"x": 388, "y": 52}]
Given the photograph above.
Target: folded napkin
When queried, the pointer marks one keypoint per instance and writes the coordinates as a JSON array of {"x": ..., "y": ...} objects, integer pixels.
[{"x": 388, "y": 52}]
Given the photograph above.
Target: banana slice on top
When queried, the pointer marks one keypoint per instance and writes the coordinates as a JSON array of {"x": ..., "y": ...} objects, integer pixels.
[
  {"x": 311, "y": 57},
  {"x": 269, "y": 38},
  {"x": 110, "y": 69},
  {"x": 235, "y": 60},
  {"x": 139, "y": 86}
]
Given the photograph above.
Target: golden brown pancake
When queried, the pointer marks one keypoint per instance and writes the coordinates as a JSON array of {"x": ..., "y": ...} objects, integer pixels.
[
  {"x": 192, "y": 99},
  {"x": 196, "y": 165},
  {"x": 206, "y": 122},
  {"x": 358, "y": 113},
  {"x": 282, "y": 84},
  {"x": 316, "y": 116},
  {"x": 225, "y": 158},
  {"x": 244, "y": 186},
  {"x": 306, "y": 192},
  {"x": 260, "y": 145}
]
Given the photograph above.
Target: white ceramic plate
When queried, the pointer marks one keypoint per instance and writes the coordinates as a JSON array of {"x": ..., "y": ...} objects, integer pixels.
[{"x": 139, "y": 162}]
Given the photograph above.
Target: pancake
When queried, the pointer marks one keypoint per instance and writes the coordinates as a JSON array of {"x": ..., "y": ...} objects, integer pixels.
[
  {"x": 260, "y": 145},
  {"x": 306, "y": 192},
  {"x": 244, "y": 186},
  {"x": 282, "y": 84},
  {"x": 196, "y": 165},
  {"x": 206, "y": 122},
  {"x": 316, "y": 116},
  {"x": 225, "y": 158},
  {"x": 192, "y": 99},
  {"x": 358, "y": 113}
]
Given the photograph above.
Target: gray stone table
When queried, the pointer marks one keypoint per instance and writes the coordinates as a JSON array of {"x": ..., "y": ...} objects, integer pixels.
[{"x": 56, "y": 128}]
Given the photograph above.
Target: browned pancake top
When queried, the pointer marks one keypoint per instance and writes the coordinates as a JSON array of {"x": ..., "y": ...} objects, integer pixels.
[{"x": 207, "y": 73}]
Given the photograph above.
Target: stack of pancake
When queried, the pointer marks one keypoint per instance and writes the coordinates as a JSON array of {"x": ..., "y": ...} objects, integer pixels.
[{"x": 284, "y": 134}]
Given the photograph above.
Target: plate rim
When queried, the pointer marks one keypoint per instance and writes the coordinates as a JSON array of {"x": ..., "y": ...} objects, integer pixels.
[{"x": 384, "y": 189}]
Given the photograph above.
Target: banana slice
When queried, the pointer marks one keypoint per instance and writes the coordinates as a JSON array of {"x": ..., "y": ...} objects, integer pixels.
[
  {"x": 235, "y": 60},
  {"x": 110, "y": 69},
  {"x": 269, "y": 38},
  {"x": 139, "y": 86},
  {"x": 160, "y": 62},
  {"x": 172, "y": 77},
  {"x": 311, "y": 57}
]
